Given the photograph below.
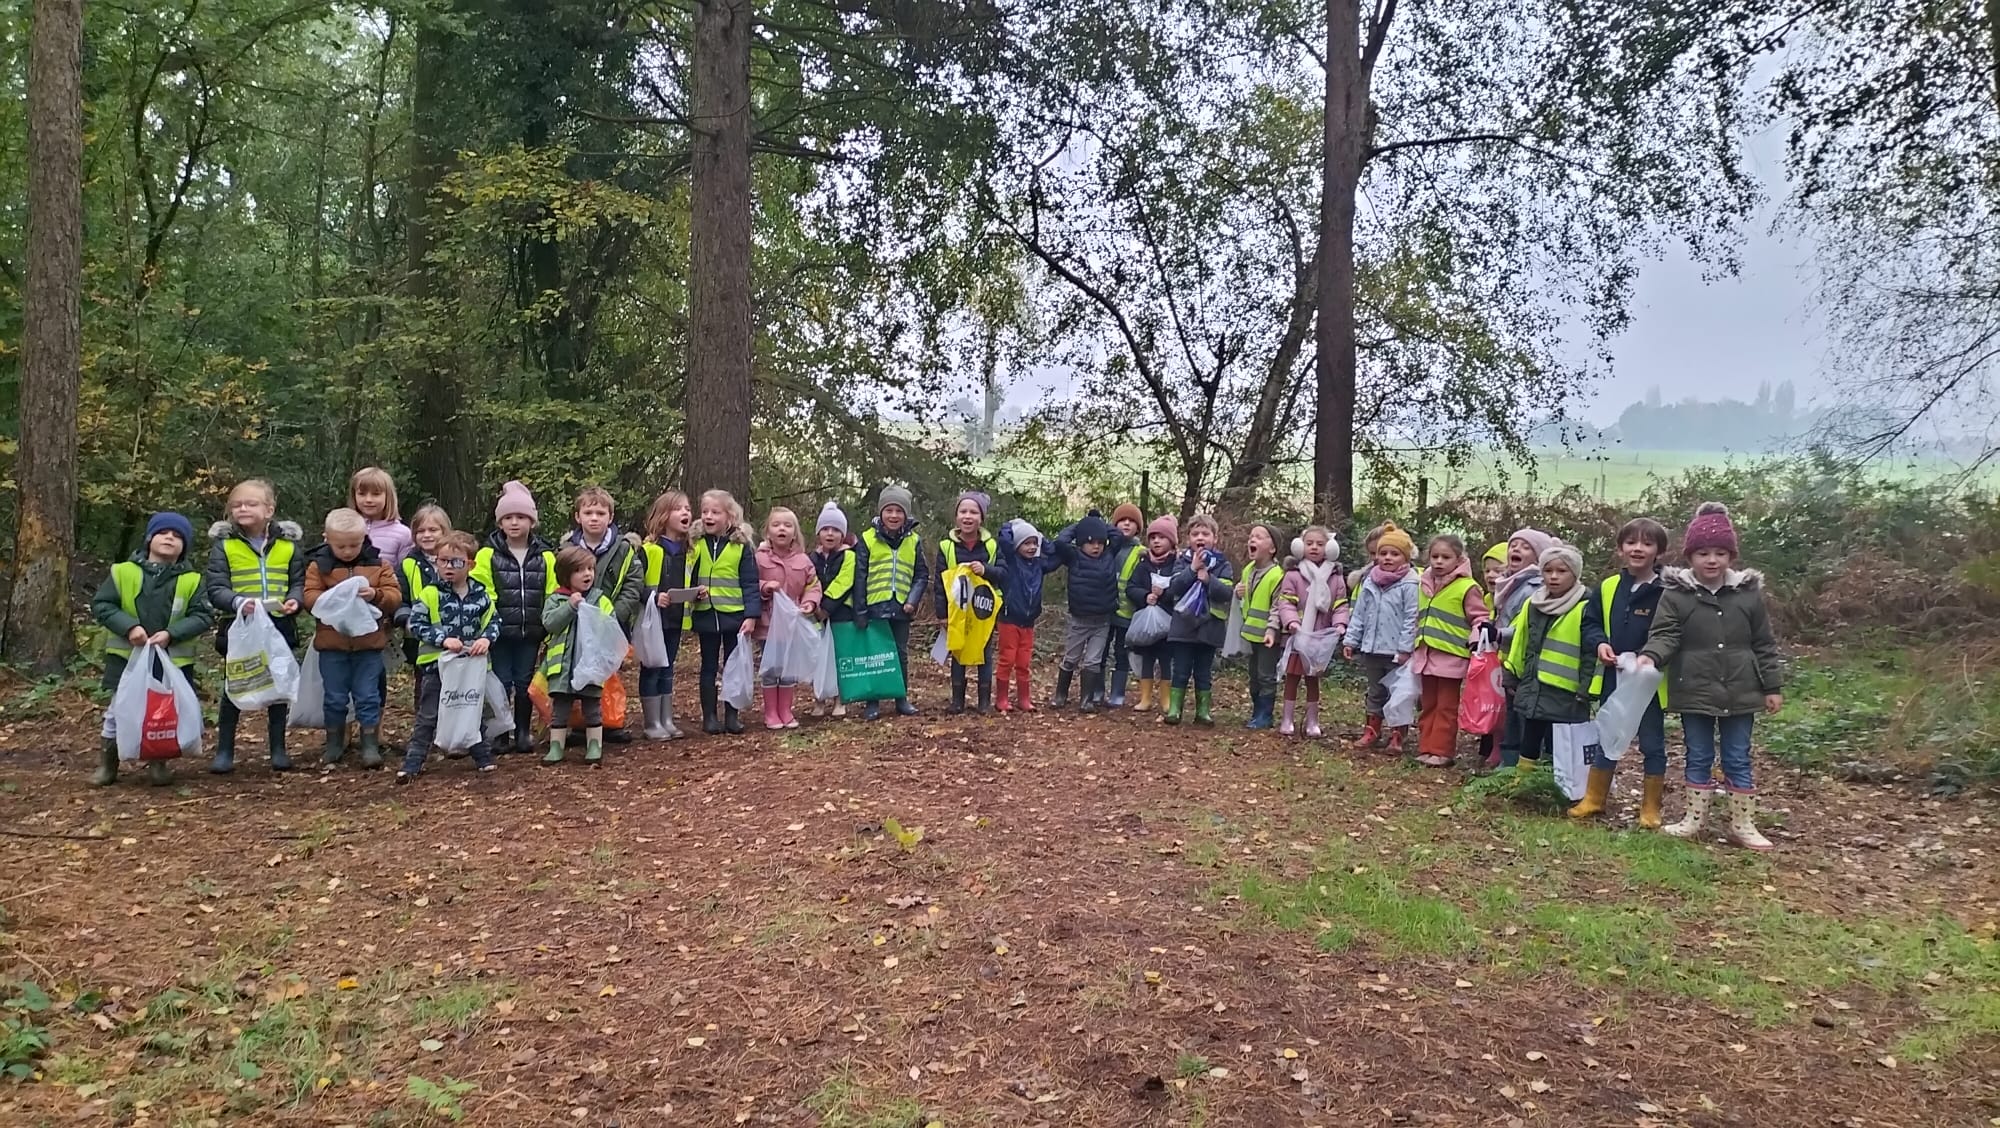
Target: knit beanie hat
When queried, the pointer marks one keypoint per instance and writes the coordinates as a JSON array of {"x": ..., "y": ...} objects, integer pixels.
[
  {"x": 1394, "y": 537},
  {"x": 171, "y": 523},
  {"x": 1165, "y": 523},
  {"x": 976, "y": 498},
  {"x": 893, "y": 495},
  {"x": 1570, "y": 556},
  {"x": 1538, "y": 541},
  {"x": 1022, "y": 531},
  {"x": 515, "y": 499},
  {"x": 1128, "y": 511},
  {"x": 830, "y": 517},
  {"x": 1711, "y": 528},
  {"x": 1093, "y": 528}
]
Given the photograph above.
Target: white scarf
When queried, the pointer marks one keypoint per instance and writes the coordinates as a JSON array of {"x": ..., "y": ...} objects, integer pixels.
[
  {"x": 1319, "y": 594},
  {"x": 1556, "y": 606}
]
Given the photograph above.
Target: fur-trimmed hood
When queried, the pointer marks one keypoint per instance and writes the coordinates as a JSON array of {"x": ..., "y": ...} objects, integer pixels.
[
  {"x": 286, "y": 530},
  {"x": 1744, "y": 579}
]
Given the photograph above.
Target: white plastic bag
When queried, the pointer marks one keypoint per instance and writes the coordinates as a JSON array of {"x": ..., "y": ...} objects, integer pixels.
[
  {"x": 1149, "y": 627},
  {"x": 499, "y": 707},
  {"x": 260, "y": 671},
  {"x": 461, "y": 701},
  {"x": 1618, "y": 718},
  {"x": 649, "y": 638},
  {"x": 1314, "y": 649},
  {"x": 1234, "y": 645},
  {"x": 826, "y": 680},
  {"x": 598, "y": 649},
  {"x": 342, "y": 608},
  {"x": 309, "y": 711},
  {"x": 1572, "y": 756},
  {"x": 739, "y": 676},
  {"x": 941, "y": 649},
  {"x": 149, "y": 671},
  {"x": 794, "y": 646},
  {"x": 1404, "y": 690}
]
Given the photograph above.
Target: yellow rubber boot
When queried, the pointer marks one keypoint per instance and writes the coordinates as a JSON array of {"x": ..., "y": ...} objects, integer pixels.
[
  {"x": 1596, "y": 793},
  {"x": 1649, "y": 807},
  {"x": 1145, "y": 695}
]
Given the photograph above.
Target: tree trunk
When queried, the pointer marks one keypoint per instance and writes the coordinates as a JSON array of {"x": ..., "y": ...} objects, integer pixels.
[
  {"x": 1344, "y": 149},
  {"x": 38, "y": 616},
  {"x": 719, "y": 388},
  {"x": 441, "y": 432}
]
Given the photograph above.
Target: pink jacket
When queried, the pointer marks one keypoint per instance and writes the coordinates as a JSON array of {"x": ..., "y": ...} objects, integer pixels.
[
  {"x": 794, "y": 574},
  {"x": 1292, "y": 597},
  {"x": 1436, "y": 664}
]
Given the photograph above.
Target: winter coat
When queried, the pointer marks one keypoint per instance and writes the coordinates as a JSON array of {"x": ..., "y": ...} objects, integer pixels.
[
  {"x": 709, "y": 620},
  {"x": 1021, "y": 584},
  {"x": 1536, "y": 699},
  {"x": 391, "y": 539},
  {"x": 1717, "y": 647},
  {"x": 920, "y": 581},
  {"x": 517, "y": 586},
  {"x": 1140, "y": 586},
  {"x": 1204, "y": 629},
  {"x": 795, "y": 576},
  {"x": 459, "y": 617},
  {"x": 559, "y": 620},
  {"x": 1093, "y": 580},
  {"x": 324, "y": 570},
  {"x": 1513, "y": 599},
  {"x": 1384, "y": 619},
  {"x": 1633, "y": 604},
  {"x": 1436, "y": 663},
  {"x": 155, "y": 606},
  {"x": 996, "y": 563},
  {"x": 841, "y": 608},
  {"x": 620, "y": 575},
  {"x": 1293, "y": 596}
]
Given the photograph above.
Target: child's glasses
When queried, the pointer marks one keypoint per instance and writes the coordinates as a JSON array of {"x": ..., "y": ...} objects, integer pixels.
[{"x": 451, "y": 562}]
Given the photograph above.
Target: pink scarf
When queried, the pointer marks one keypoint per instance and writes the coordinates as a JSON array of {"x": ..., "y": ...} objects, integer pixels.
[{"x": 1388, "y": 577}]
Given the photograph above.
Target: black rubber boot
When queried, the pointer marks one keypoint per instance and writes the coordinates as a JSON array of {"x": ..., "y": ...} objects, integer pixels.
[
  {"x": 957, "y": 691},
  {"x": 985, "y": 690},
  {"x": 732, "y": 722},
  {"x": 274, "y": 729},
  {"x": 336, "y": 745},
  {"x": 1063, "y": 678},
  {"x": 709, "y": 723},
  {"x": 371, "y": 748},
  {"x": 225, "y": 746},
  {"x": 1093, "y": 686},
  {"x": 107, "y": 764}
]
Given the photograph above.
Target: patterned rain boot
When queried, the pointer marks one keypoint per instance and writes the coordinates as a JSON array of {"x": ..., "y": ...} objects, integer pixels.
[
  {"x": 1698, "y": 802},
  {"x": 1743, "y": 823}
]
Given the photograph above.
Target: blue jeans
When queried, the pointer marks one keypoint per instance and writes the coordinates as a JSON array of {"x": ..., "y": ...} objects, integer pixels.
[
  {"x": 356, "y": 674},
  {"x": 1194, "y": 662},
  {"x": 1733, "y": 734},
  {"x": 1652, "y": 743},
  {"x": 658, "y": 681}
]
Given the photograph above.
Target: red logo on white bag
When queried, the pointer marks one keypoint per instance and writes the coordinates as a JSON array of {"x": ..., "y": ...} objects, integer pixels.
[{"x": 160, "y": 736}]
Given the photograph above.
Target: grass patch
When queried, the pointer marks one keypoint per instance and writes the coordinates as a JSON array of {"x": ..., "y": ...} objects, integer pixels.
[
  {"x": 843, "y": 1101},
  {"x": 798, "y": 926},
  {"x": 1343, "y": 909},
  {"x": 1591, "y": 854},
  {"x": 1919, "y": 710},
  {"x": 1532, "y": 790}
]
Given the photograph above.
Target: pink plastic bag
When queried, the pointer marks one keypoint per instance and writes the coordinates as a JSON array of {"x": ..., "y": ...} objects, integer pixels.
[{"x": 1483, "y": 705}]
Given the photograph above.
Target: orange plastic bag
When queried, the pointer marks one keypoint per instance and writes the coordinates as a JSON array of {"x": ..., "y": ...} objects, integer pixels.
[{"x": 613, "y": 700}]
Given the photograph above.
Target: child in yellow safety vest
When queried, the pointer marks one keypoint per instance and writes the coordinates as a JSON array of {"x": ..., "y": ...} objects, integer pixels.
[
  {"x": 1552, "y": 656},
  {"x": 154, "y": 597},
  {"x": 1258, "y": 592},
  {"x": 1451, "y": 611},
  {"x": 254, "y": 559},
  {"x": 723, "y": 573}
]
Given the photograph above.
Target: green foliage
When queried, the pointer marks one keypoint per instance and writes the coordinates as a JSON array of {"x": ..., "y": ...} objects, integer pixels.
[
  {"x": 23, "y": 1040},
  {"x": 1933, "y": 709},
  {"x": 440, "y": 1098},
  {"x": 1531, "y": 786}
]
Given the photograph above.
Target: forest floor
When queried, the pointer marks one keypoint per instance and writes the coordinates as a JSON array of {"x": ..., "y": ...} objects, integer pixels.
[{"x": 1083, "y": 921}]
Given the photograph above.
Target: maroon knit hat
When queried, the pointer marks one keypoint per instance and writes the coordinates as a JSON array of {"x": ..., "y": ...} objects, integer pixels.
[{"x": 1710, "y": 529}]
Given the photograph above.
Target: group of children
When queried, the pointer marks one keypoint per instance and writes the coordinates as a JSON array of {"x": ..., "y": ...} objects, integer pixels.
[{"x": 515, "y": 599}]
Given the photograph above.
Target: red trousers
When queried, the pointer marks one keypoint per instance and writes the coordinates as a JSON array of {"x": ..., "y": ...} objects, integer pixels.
[
  {"x": 1437, "y": 716},
  {"x": 1016, "y": 650}
]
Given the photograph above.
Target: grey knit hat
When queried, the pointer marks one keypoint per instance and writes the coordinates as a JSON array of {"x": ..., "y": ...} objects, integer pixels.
[{"x": 894, "y": 495}]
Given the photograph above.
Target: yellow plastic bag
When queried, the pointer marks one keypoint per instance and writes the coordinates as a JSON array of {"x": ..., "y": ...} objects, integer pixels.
[{"x": 972, "y": 612}]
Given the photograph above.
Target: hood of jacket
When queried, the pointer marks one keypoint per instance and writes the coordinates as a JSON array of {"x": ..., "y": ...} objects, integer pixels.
[
  {"x": 1432, "y": 585},
  {"x": 285, "y": 530},
  {"x": 1736, "y": 579},
  {"x": 322, "y": 555},
  {"x": 170, "y": 568}
]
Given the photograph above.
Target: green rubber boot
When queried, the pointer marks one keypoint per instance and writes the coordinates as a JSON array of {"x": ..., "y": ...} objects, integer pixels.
[
  {"x": 107, "y": 765},
  {"x": 1202, "y": 700},
  {"x": 558, "y": 737},
  {"x": 1176, "y": 698}
]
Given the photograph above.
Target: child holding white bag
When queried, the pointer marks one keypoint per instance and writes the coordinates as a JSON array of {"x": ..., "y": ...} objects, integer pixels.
[
  {"x": 154, "y": 597},
  {"x": 455, "y": 616},
  {"x": 1312, "y": 598}
]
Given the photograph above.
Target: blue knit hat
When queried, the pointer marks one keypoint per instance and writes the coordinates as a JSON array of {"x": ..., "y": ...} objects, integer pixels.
[{"x": 171, "y": 522}]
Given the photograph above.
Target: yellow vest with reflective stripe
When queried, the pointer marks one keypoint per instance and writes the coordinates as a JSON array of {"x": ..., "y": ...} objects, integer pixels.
[
  {"x": 892, "y": 572},
  {"x": 1262, "y": 600},
  {"x": 1560, "y": 662},
  {"x": 1606, "y": 592},
  {"x": 555, "y": 661},
  {"x": 949, "y": 546},
  {"x": 1441, "y": 621},
  {"x": 842, "y": 582},
  {"x": 129, "y": 578},
  {"x": 264, "y": 577},
  {"x": 429, "y": 597},
  {"x": 721, "y": 574},
  {"x": 1125, "y": 608}
]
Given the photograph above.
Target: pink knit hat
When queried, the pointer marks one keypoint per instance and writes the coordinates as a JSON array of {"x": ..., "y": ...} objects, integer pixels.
[
  {"x": 1537, "y": 540},
  {"x": 1711, "y": 529},
  {"x": 515, "y": 498},
  {"x": 1165, "y": 523}
]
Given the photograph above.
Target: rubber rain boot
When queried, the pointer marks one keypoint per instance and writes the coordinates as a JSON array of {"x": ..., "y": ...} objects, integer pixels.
[
  {"x": 709, "y": 723},
  {"x": 957, "y": 707},
  {"x": 225, "y": 751},
  {"x": 651, "y": 708},
  {"x": 985, "y": 691},
  {"x": 1312, "y": 720},
  {"x": 732, "y": 721},
  {"x": 274, "y": 728},
  {"x": 1743, "y": 823},
  {"x": 1093, "y": 689},
  {"x": 157, "y": 773},
  {"x": 1176, "y": 698},
  {"x": 1370, "y": 733},
  {"x": 593, "y": 744},
  {"x": 1119, "y": 679},
  {"x": 1596, "y": 795},
  {"x": 774, "y": 712},
  {"x": 873, "y": 712},
  {"x": 1260, "y": 713},
  {"x": 1203, "y": 699},
  {"x": 336, "y": 746},
  {"x": 107, "y": 764},
  {"x": 1145, "y": 702},
  {"x": 1397, "y": 737},
  {"x": 1649, "y": 807},
  {"x": 1698, "y": 802},
  {"x": 1061, "y": 698},
  {"x": 904, "y": 708},
  {"x": 1285, "y": 727},
  {"x": 1024, "y": 695},
  {"x": 558, "y": 741},
  {"x": 371, "y": 748}
]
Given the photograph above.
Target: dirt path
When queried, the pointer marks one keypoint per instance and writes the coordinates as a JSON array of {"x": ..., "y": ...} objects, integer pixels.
[{"x": 1104, "y": 922}]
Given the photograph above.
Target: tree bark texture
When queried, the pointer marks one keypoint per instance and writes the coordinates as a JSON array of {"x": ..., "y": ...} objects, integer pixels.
[
  {"x": 39, "y": 631},
  {"x": 1345, "y": 149},
  {"x": 719, "y": 384},
  {"x": 446, "y": 450}
]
